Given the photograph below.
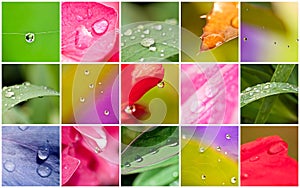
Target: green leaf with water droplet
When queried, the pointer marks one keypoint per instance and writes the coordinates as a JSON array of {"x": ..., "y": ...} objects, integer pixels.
[
  {"x": 150, "y": 42},
  {"x": 259, "y": 91},
  {"x": 13, "y": 95},
  {"x": 151, "y": 148},
  {"x": 158, "y": 176}
]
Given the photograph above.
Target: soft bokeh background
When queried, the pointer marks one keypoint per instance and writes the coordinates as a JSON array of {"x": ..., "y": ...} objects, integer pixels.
[
  {"x": 99, "y": 90},
  {"x": 192, "y": 26},
  {"x": 288, "y": 133},
  {"x": 38, "y": 110},
  {"x": 269, "y": 31},
  {"x": 35, "y": 17}
]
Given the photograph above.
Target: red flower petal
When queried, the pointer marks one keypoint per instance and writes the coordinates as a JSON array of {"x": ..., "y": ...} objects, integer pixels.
[
  {"x": 71, "y": 164},
  {"x": 265, "y": 162},
  {"x": 138, "y": 79}
]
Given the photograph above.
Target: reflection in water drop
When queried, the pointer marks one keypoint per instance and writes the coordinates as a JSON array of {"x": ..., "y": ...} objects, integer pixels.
[
  {"x": 29, "y": 37},
  {"x": 228, "y": 136},
  {"x": 43, "y": 152},
  {"x": 82, "y": 99},
  {"x": 127, "y": 164},
  {"x": 245, "y": 38},
  {"x": 201, "y": 150},
  {"x": 9, "y": 166},
  {"x": 147, "y": 42},
  {"x": 100, "y": 26},
  {"x": 172, "y": 142},
  {"x": 203, "y": 177},
  {"x": 138, "y": 159},
  {"x": 233, "y": 180},
  {"x": 219, "y": 148},
  {"x": 161, "y": 84},
  {"x": 130, "y": 109},
  {"x": 44, "y": 170},
  {"x": 106, "y": 112}
]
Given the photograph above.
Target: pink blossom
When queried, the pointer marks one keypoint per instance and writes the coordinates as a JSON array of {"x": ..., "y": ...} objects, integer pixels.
[{"x": 209, "y": 93}]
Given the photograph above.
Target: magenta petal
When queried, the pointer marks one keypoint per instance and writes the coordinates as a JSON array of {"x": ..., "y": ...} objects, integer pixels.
[{"x": 70, "y": 165}]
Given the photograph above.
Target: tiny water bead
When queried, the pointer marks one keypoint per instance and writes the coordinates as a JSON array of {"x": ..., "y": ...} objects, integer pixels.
[
  {"x": 130, "y": 109},
  {"x": 203, "y": 177},
  {"x": 233, "y": 180},
  {"x": 127, "y": 164},
  {"x": 138, "y": 159},
  {"x": 9, "y": 166},
  {"x": 277, "y": 148},
  {"x": 201, "y": 149},
  {"x": 219, "y": 148},
  {"x": 228, "y": 136},
  {"x": 97, "y": 150},
  {"x": 152, "y": 48},
  {"x": 147, "y": 32},
  {"x": 100, "y": 26},
  {"x": 175, "y": 174},
  {"x": 44, "y": 170},
  {"x": 158, "y": 27},
  {"x": 245, "y": 39},
  {"x": 26, "y": 83},
  {"x": 29, "y": 37},
  {"x": 86, "y": 72},
  {"x": 147, "y": 42},
  {"x": 255, "y": 158},
  {"x": 161, "y": 84},
  {"x": 106, "y": 112},
  {"x": 43, "y": 152},
  {"x": 172, "y": 142},
  {"x": 128, "y": 32},
  {"x": 91, "y": 86},
  {"x": 154, "y": 150},
  {"x": 9, "y": 94},
  {"x": 81, "y": 99}
]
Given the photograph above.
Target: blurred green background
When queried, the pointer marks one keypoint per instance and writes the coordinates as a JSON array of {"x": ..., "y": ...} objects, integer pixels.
[
  {"x": 35, "y": 17},
  {"x": 287, "y": 133},
  {"x": 193, "y": 25},
  {"x": 146, "y": 11},
  {"x": 38, "y": 110}
]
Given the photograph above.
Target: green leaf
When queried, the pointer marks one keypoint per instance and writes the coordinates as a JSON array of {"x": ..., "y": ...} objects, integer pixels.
[
  {"x": 281, "y": 74},
  {"x": 158, "y": 177},
  {"x": 259, "y": 91},
  {"x": 152, "y": 146},
  {"x": 13, "y": 95},
  {"x": 151, "y": 41}
]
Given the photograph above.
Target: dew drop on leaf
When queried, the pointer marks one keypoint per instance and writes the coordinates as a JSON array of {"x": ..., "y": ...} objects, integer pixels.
[
  {"x": 175, "y": 174},
  {"x": 147, "y": 42},
  {"x": 127, "y": 164},
  {"x": 147, "y": 32},
  {"x": 29, "y": 37},
  {"x": 100, "y": 26},
  {"x": 152, "y": 48},
  {"x": 154, "y": 151},
  {"x": 9, "y": 94},
  {"x": 44, "y": 170},
  {"x": 132, "y": 37},
  {"x": 138, "y": 159},
  {"x": 9, "y": 166}
]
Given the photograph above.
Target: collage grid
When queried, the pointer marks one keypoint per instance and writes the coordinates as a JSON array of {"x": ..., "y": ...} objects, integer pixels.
[{"x": 133, "y": 95}]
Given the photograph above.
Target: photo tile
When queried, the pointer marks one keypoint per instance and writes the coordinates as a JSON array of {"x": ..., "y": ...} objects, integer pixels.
[
  {"x": 269, "y": 31},
  {"x": 30, "y": 31},
  {"x": 209, "y": 31},
  {"x": 90, "y": 94},
  {"x": 149, "y": 94},
  {"x": 30, "y": 156},
  {"x": 30, "y": 94},
  {"x": 209, "y": 93},
  {"x": 90, "y": 31},
  {"x": 269, "y": 94},
  {"x": 149, "y": 155},
  {"x": 209, "y": 156},
  {"x": 269, "y": 156},
  {"x": 90, "y": 155},
  {"x": 150, "y": 32}
]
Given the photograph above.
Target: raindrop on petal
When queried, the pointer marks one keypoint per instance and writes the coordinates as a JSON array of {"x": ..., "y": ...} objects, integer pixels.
[
  {"x": 106, "y": 112},
  {"x": 219, "y": 148},
  {"x": 86, "y": 72},
  {"x": 43, "y": 152},
  {"x": 161, "y": 84},
  {"x": 82, "y": 99},
  {"x": 130, "y": 109},
  {"x": 91, "y": 86},
  {"x": 252, "y": 159},
  {"x": 44, "y": 170},
  {"x": 203, "y": 177},
  {"x": 201, "y": 149},
  {"x": 233, "y": 180},
  {"x": 9, "y": 166}
]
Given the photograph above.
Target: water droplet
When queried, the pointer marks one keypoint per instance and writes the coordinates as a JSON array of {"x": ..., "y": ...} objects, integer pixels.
[
  {"x": 219, "y": 148},
  {"x": 154, "y": 150},
  {"x": 297, "y": 40},
  {"x": 152, "y": 48},
  {"x": 203, "y": 177},
  {"x": 9, "y": 94},
  {"x": 172, "y": 142},
  {"x": 175, "y": 174},
  {"x": 127, "y": 164},
  {"x": 101, "y": 92},
  {"x": 44, "y": 170},
  {"x": 163, "y": 34},
  {"x": 82, "y": 99},
  {"x": 162, "y": 51},
  {"x": 245, "y": 38},
  {"x": 201, "y": 150},
  {"x": 132, "y": 37},
  {"x": 9, "y": 166},
  {"x": 197, "y": 107},
  {"x": 233, "y": 180},
  {"x": 245, "y": 176},
  {"x": 130, "y": 109},
  {"x": 208, "y": 92},
  {"x": 170, "y": 28},
  {"x": 277, "y": 148},
  {"x": 17, "y": 87},
  {"x": 138, "y": 159},
  {"x": 122, "y": 44},
  {"x": 183, "y": 136},
  {"x": 218, "y": 44},
  {"x": 43, "y": 152},
  {"x": 252, "y": 159},
  {"x": 106, "y": 112},
  {"x": 86, "y": 72},
  {"x": 128, "y": 32},
  {"x": 29, "y": 37},
  {"x": 228, "y": 136},
  {"x": 219, "y": 160},
  {"x": 147, "y": 42},
  {"x": 275, "y": 43},
  {"x": 158, "y": 27},
  {"x": 147, "y": 31},
  {"x": 142, "y": 59},
  {"x": 225, "y": 153},
  {"x": 100, "y": 26},
  {"x": 140, "y": 27},
  {"x": 161, "y": 84},
  {"x": 97, "y": 150},
  {"x": 5, "y": 104},
  {"x": 142, "y": 36},
  {"x": 171, "y": 21},
  {"x": 288, "y": 46},
  {"x": 91, "y": 86},
  {"x": 13, "y": 98},
  {"x": 162, "y": 55}
]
